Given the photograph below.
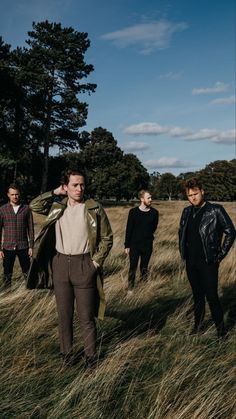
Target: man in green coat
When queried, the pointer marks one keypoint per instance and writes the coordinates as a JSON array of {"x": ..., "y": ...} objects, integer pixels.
[{"x": 68, "y": 256}]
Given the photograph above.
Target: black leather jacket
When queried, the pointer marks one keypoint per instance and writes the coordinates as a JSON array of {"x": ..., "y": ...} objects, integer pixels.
[{"x": 215, "y": 221}]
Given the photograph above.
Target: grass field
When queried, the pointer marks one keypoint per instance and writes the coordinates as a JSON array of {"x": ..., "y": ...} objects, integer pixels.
[{"x": 150, "y": 367}]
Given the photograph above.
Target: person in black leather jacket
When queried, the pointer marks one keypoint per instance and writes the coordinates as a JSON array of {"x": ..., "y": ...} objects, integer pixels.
[{"x": 202, "y": 227}]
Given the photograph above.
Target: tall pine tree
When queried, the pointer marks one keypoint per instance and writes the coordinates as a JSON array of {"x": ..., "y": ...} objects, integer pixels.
[
  {"x": 54, "y": 71},
  {"x": 12, "y": 115}
]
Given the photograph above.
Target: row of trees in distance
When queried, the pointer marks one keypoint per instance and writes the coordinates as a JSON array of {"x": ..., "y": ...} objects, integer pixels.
[{"x": 218, "y": 179}]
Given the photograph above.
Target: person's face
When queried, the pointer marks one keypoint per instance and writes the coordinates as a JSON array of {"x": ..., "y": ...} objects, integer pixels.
[
  {"x": 146, "y": 199},
  {"x": 195, "y": 196},
  {"x": 14, "y": 196},
  {"x": 75, "y": 188}
]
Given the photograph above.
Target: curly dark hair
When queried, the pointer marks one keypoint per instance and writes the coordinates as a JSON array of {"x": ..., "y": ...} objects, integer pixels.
[{"x": 193, "y": 183}]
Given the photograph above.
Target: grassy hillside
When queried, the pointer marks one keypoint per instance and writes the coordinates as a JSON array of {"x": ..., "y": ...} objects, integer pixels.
[{"x": 150, "y": 368}]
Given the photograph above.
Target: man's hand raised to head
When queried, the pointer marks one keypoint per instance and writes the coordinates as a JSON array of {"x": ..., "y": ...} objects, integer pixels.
[{"x": 60, "y": 190}]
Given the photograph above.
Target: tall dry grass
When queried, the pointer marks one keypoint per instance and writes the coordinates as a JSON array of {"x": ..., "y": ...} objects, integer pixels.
[{"x": 150, "y": 367}]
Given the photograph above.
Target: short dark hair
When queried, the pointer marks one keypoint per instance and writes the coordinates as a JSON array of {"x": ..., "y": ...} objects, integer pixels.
[
  {"x": 193, "y": 183},
  {"x": 142, "y": 192},
  {"x": 65, "y": 176},
  {"x": 13, "y": 186}
]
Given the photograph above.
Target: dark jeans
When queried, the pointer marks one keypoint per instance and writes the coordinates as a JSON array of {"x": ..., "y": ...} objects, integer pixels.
[
  {"x": 9, "y": 260},
  {"x": 144, "y": 253},
  {"x": 74, "y": 279},
  {"x": 203, "y": 279}
]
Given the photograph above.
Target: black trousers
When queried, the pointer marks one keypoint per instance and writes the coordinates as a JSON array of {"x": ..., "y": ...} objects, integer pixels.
[
  {"x": 138, "y": 252},
  {"x": 9, "y": 260},
  {"x": 203, "y": 279}
]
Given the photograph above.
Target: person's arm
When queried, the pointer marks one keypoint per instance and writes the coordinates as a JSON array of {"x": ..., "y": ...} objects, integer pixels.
[
  {"x": 156, "y": 219},
  {"x": 129, "y": 230},
  {"x": 181, "y": 232},
  {"x": 106, "y": 239},
  {"x": 42, "y": 203},
  {"x": 30, "y": 227},
  {"x": 229, "y": 232},
  {"x": 1, "y": 226}
]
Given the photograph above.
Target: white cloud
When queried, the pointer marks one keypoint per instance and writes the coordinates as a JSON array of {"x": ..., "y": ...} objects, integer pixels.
[
  {"x": 225, "y": 137},
  {"x": 224, "y": 101},
  {"x": 216, "y": 136},
  {"x": 167, "y": 162},
  {"x": 149, "y": 37},
  {"x": 135, "y": 146},
  {"x": 217, "y": 88},
  {"x": 152, "y": 128},
  {"x": 170, "y": 76},
  {"x": 146, "y": 128},
  {"x": 179, "y": 132},
  {"x": 202, "y": 134}
]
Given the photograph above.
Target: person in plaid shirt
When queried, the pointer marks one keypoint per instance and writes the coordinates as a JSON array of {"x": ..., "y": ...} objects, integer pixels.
[{"x": 16, "y": 234}]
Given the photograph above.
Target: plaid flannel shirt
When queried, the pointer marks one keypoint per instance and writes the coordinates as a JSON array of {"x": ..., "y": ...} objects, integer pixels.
[{"x": 16, "y": 230}]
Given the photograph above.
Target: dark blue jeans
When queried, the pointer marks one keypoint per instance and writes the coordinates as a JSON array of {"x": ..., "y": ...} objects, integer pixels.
[
  {"x": 203, "y": 279},
  {"x": 9, "y": 260},
  {"x": 139, "y": 252}
]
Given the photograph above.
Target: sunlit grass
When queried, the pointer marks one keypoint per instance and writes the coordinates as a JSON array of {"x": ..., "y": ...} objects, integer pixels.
[{"x": 150, "y": 367}]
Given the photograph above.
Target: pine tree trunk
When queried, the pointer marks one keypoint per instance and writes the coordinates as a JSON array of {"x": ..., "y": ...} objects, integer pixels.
[
  {"x": 46, "y": 143},
  {"x": 45, "y": 168}
]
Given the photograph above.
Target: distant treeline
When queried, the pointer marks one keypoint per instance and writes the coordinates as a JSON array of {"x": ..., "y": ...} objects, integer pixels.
[
  {"x": 218, "y": 179},
  {"x": 117, "y": 176},
  {"x": 41, "y": 120}
]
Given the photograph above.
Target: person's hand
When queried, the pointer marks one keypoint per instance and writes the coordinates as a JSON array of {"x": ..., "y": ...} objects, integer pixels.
[
  {"x": 30, "y": 252},
  {"x": 95, "y": 264},
  {"x": 60, "y": 190},
  {"x": 1, "y": 254},
  {"x": 127, "y": 250}
]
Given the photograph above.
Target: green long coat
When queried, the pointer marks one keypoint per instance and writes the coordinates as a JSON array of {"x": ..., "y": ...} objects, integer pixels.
[{"x": 100, "y": 242}]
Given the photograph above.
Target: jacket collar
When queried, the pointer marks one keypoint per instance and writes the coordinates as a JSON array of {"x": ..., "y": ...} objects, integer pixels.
[
  {"x": 12, "y": 208},
  {"x": 91, "y": 204},
  {"x": 208, "y": 206},
  {"x": 208, "y": 210}
]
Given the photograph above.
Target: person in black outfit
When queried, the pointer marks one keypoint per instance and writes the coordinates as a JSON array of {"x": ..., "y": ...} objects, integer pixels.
[
  {"x": 202, "y": 226},
  {"x": 141, "y": 225}
]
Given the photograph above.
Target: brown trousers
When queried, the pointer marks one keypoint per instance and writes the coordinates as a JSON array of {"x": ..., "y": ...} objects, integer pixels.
[{"x": 74, "y": 278}]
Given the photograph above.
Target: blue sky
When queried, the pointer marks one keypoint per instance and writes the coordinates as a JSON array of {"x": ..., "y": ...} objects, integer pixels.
[{"x": 165, "y": 72}]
